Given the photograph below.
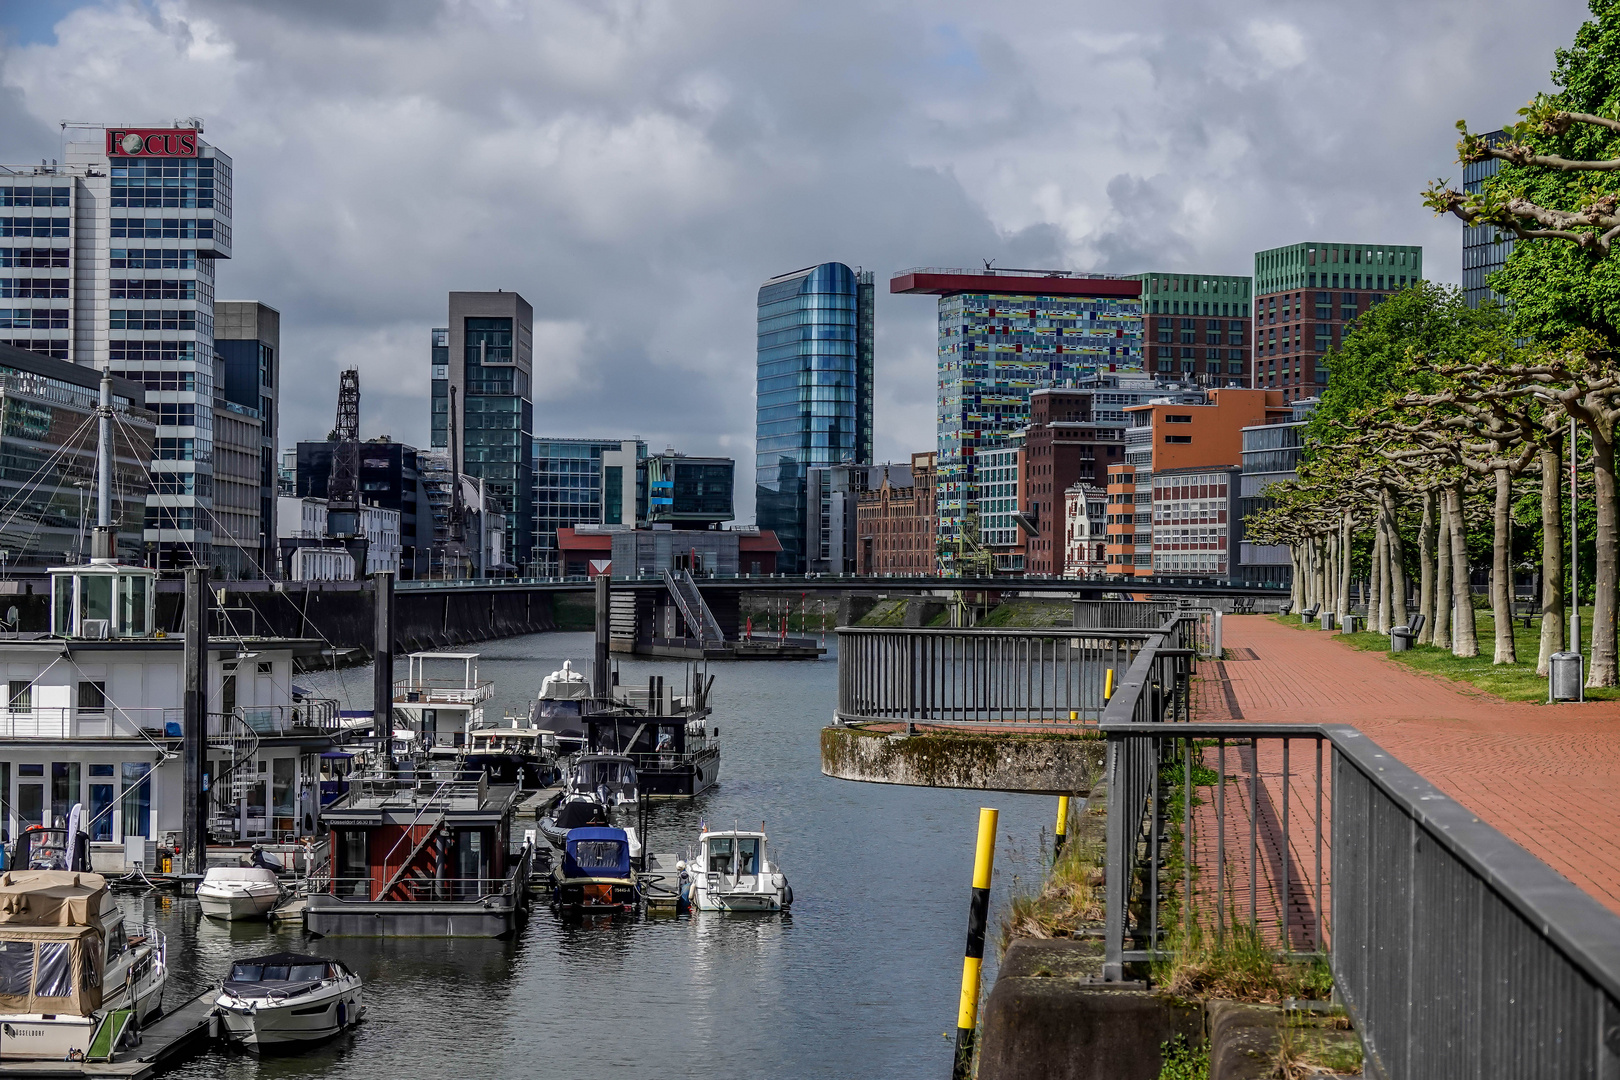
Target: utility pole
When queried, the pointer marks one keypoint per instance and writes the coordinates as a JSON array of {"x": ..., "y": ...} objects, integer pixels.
[
  {"x": 194, "y": 727},
  {"x": 382, "y": 652},
  {"x": 599, "y": 671}
]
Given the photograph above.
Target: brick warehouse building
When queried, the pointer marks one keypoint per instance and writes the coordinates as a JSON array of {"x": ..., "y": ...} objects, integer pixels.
[
  {"x": 1306, "y": 297},
  {"x": 1197, "y": 327},
  {"x": 895, "y": 522}
]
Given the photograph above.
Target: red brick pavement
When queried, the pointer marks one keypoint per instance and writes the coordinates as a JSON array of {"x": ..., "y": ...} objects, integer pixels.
[{"x": 1546, "y": 775}]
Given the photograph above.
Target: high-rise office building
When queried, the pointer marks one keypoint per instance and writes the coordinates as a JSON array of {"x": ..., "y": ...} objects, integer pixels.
[
  {"x": 814, "y": 405},
  {"x": 1003, "y": 334},
  {"x": 1485, "y": 247},
  {"x": 247, "y": 335},
  {"x": 568, "y": 491},
  {"x": 1306, "y": 297},
  {"x": 114, "y": 251},
  {"x": 1197, "y": 327},
  {"x": 483, "y": 361},
  {"x": 391, "y": 478}
]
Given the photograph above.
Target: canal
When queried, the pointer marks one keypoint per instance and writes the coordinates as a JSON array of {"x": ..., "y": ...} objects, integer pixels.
[{"x": 860, "y": 980}]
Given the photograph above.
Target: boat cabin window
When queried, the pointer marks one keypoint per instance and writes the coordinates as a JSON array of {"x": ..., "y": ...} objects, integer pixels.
[
  {"x": 748, "y": 855},
  {"x": 720, "y": 855},
  {"x": 308, "y": 972},
  {"x": 116, "y": 941},
  {"x": 278, "y": 972},
  {"x": 54, "y": 968},
  {"x": 597, "y": 854},
  {"x": 606, "y": 772},
  {"x": 16, "y": 967}
]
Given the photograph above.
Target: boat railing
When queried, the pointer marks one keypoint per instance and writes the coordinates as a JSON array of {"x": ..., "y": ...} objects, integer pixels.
[
  {"x": 656, "y": 761},
  {"x": 381, "y": 789},
  {"x": 442, "y": 691},
  {"x": 25, "y": 720},
  {"x": 420, "y": 890}
]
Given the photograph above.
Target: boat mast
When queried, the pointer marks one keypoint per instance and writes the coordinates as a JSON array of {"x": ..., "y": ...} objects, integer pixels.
[{"x": 101, "y": 544}]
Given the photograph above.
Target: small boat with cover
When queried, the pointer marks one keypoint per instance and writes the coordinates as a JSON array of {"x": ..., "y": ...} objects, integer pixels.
[
  {"x": 287, "y": 999},
  {"x": 595, "y": 874}
]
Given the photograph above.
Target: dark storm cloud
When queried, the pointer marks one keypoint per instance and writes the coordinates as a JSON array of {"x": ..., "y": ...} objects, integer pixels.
[{"x": 637, "y": 168}]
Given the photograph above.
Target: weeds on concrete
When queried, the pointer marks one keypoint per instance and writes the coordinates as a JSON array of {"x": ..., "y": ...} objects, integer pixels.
[
  {"x": 1305, "y": 1049},
  {"x": 1238, "y": 964},
  {"x": 1179, "y": 1061},
  {"x": 1071, "y": 897}
]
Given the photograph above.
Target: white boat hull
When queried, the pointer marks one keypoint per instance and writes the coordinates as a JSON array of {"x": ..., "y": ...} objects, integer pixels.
[
  {"x": 231, "y": 905},
  {"x": 707, "y": 901},
  {"x": 306, "y": 1018}
]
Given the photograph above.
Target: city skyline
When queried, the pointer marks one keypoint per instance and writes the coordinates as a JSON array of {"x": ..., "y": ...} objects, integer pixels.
[{"x": 646, "y": 211}]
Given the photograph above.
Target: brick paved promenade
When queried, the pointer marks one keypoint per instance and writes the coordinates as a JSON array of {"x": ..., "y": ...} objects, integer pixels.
[{"x": 1546, "y": 775}]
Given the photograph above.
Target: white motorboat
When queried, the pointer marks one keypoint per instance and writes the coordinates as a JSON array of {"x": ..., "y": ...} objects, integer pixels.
[
  {"x": 730, "y": 872},
  {"x": 71, "y": 979},
  {"x": 239, "y": 892},
  {"x": 288, "y": 998}
]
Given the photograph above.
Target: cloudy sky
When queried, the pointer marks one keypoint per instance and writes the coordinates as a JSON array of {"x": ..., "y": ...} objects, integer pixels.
[{"x": 635, "y": 168}]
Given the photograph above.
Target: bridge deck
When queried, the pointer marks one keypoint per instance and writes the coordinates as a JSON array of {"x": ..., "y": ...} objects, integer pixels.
[{"x": 1545, "y": 775}]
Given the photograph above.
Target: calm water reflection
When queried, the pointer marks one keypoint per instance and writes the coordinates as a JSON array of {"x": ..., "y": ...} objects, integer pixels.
[{"x": 861, "y": 979}]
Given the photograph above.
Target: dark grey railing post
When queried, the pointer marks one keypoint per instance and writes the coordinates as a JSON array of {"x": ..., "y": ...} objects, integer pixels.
[{"x": 1115, "y": 886}]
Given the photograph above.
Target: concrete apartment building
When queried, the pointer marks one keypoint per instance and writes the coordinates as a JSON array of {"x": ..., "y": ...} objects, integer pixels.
[
  {"x": 896, "y": 523},
  {"x": 1003, "y": 472},
  {"x": 1306, "y": 297},
  {"x": 1173, "y": 505},
  {"x": 1198, "y": 327}
]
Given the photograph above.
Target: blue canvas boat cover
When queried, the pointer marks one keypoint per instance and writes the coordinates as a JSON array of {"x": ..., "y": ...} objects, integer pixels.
[{"x": 596, "y": 851}]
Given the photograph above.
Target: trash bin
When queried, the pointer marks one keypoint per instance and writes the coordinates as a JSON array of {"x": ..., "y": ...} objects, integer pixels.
[
  {"x": 1400, "y": 639},
  {"x": 1566, "y": 679},
  {"x": 1347, "y": 625},
  {"x": 1327, "y": 620}
]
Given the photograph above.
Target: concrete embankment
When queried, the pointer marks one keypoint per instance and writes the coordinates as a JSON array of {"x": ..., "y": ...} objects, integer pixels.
[{"x": 1035, "y": 762}]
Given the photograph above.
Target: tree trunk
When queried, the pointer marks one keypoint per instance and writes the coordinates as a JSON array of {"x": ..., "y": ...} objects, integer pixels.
[
  {"x": 1397, "y": 564},
  {"x": 1552, "y": 553},
  {"x": 1296, "y": 591},
  {"x": 1502, "y": 570},
  {"x": 1426, "y": 569},
  {"x": 1443, "y": 602},
  {"x": 1344, "y": 566},
  {"x": 1378, "y": 592},
  {"x": 1603, "y": 671},
  {"x": 1464, "y": 639}
]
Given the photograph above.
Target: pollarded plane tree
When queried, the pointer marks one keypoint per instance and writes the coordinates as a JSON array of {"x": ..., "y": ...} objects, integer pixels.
[{"x": 1558, "y": 193}]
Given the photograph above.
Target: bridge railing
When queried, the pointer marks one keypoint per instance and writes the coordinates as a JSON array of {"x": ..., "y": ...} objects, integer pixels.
[
  {"x": 1456, "y": 951},
  {"x": 981, "y": 676}
]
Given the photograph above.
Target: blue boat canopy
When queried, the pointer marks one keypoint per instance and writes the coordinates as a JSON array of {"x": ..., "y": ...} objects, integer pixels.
[{"x": 596, "y": 851}]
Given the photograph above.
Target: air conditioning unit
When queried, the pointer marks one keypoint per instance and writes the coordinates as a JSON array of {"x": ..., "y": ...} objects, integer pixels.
[{"x": 95, "y": 629}]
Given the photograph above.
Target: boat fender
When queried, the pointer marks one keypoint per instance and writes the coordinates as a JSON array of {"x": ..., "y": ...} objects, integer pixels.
[
  {"x": 343, "y": 1014},
  {"x": 787, "y": 895},
  {"x": 213, "y": 1026},
  {"x": 778, "y": 882}
]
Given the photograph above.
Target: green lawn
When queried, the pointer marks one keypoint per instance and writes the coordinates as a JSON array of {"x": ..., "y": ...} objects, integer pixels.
[{"x": 1512, "y": 682}]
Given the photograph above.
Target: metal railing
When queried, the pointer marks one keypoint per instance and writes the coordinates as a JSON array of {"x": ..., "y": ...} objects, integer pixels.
[
  {"x": 443, "y": 691},
  {"x": 53, "y": 722},
  {"x": 421, "y": 890},
  {"x": 439, "y": 793},
  {"x": 1456, "y": 951},
  {"x": 979, "y": 676}
]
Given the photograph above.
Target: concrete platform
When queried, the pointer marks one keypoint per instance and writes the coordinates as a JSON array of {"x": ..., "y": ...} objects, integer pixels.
[{"x": 1054, "y": 761}]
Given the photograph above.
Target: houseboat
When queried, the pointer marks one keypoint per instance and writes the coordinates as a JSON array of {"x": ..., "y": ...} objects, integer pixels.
[
  {"x": 94, "y": 714},
  {"x": 422, "y": 854}
]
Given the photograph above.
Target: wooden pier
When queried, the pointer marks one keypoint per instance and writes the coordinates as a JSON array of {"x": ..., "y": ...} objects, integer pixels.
[{"x": 174, "y": 1036}]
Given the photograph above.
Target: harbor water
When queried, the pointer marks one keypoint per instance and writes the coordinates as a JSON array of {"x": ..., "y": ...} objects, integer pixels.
[{"x": 860, "y": 980}]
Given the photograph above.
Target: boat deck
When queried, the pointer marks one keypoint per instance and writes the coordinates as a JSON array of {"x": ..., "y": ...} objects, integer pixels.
[{"x": 176, "y": 1034}]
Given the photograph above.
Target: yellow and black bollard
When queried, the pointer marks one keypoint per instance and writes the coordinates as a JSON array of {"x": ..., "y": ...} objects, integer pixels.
[
  {"x": 1108, "y": 687},
  {"x": 1062, "y": 832},
  {"x": 984, "y": 857}
]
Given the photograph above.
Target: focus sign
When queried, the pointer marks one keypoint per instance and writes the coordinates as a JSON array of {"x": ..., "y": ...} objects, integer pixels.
[{"x": 151, "y": 142}]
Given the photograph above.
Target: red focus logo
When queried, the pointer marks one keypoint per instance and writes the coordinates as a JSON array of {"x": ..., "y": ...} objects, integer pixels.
[{"x": 151, "y": 142}]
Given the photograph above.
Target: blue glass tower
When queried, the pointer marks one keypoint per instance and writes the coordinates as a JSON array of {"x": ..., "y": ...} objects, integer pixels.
[{"x": 815, "y": 391}]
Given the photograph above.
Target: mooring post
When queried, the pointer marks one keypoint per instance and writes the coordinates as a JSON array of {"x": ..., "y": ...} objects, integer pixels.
[
  {"x": 1062, "y": 831},
  {"x": 599, "y": 672},
  {"x": 194, "y": 725},
  {"x": 967, "y": 1015},
  {"x": 382, "y": 655}
]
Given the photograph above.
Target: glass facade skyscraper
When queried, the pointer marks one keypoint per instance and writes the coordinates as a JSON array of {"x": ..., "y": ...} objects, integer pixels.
[
  {"x": 485, "y": 356},
  {"x": 1485, "y": 247},
  {"x": 569, "y": 479},
  {"x": 814, "y": 404}
]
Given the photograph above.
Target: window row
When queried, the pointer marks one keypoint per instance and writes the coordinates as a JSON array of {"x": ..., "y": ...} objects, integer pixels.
[
  {"x": 33, "y": 319},
  {"x": 33, "y": 226},
  {"x": 152, "y": 259},
  {"x": 33, "y": 258},
  {"x": 152, "y": 289},
  {"x": 33, "y": 288},
  {"x": 136, "y": 319},
  {"x": 33, "y": 196},
  {"x": 164, "y": 228},
  {"x": 160, "y": 380},
  {"x": 151, "y": 351}
]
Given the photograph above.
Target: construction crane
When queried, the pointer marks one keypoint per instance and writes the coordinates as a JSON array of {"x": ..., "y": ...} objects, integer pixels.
[{"x": 343, "y": 485}]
